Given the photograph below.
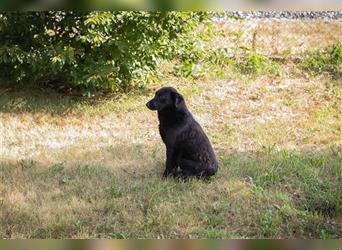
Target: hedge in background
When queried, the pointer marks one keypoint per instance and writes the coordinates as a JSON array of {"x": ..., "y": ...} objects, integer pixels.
[{"x": 90, "y": 50}]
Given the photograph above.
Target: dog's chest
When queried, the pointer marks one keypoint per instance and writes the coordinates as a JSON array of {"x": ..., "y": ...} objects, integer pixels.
[{"x": 169, "y": 135}]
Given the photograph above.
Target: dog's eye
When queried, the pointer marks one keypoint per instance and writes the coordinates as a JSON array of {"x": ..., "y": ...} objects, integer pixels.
[{"x": 161, "y": 99}]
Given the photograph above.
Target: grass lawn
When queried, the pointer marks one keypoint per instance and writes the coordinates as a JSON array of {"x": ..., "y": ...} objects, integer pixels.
[
  {"x": 73, "y": 167},
  {"x": 77, "y": 168}
]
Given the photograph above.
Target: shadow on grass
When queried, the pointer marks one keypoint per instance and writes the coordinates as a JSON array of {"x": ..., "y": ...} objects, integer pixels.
[
  {"x": 266, "y": 194},
  {"x": 50, "y": 101}
]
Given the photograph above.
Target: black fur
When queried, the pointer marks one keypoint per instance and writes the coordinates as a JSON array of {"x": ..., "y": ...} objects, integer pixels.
[{"x": 187, "y": 146}]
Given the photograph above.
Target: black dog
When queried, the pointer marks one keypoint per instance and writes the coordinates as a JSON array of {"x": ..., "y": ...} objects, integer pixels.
[{"x": 187, "y": 146}]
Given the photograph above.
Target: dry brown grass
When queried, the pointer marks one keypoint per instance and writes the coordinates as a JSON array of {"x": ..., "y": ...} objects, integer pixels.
[
  {"x": 244, "y": 113},
  {"x": 277, "y": 37}
]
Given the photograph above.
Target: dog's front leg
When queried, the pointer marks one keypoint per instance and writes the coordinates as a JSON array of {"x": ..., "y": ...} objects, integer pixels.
[{"x": 170, "y": 161}]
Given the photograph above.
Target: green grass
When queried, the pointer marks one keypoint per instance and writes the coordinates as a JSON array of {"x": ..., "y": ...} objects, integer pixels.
[
  {"x": 47, "y": 101},
  {"x": 328, "y": 60},
  {"x": 256, "y": 65},
  {"x": 262, "y": 195}
]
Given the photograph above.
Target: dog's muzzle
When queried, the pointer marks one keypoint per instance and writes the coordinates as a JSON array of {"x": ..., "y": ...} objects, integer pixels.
[{"x": 149, "y": 105}]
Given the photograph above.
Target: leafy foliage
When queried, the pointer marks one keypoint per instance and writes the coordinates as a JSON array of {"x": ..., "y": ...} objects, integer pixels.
[
  {"x": 90, "y": 50},
  {"x": 257, "y": 64},
  {"x": 329, "y": 60}
]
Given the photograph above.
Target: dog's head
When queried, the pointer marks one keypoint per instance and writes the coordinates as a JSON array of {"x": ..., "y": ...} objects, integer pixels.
[{"x": 166, "y": 97}]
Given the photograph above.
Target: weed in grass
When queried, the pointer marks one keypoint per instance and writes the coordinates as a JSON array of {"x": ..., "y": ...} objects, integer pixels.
[
  {"x": 66, "y": 179},
  {"x": 221, "y": 57},
  {"x": 54, "y": 170},
  {"x": 321, "y": 197},
  {"x": 79, "y": 226},
  {"x": 269, "y": 223},
  {"x": 256, "y": 64},
  {"x": 282, "y": 196},
  {"x": 114, "y": 192},
  {"x": 52, "y": 231},
  {"x": 328, "y": 60},
  {"x": 27, "y": 163},
  {"x": 216, "y": 214}
]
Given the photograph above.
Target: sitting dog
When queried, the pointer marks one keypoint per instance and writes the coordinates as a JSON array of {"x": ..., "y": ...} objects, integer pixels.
[{"x": 187, "y": 146}]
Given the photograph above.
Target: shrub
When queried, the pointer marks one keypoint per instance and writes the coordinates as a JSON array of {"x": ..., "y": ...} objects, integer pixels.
[
  {"x": 90, "y": 50},
  {"x": 328, "y": 60},
  {"x": 257, "y": 64}
]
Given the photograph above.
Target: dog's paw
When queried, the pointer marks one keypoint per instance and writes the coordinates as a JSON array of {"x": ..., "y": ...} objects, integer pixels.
[{"x": 166, "y": 174}]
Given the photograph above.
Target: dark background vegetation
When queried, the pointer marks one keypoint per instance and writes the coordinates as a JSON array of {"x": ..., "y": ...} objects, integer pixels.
[{"x": 96, "y": 52}]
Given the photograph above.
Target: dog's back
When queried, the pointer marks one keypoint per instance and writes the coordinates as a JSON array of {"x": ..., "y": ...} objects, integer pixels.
[{"x": 195, "y": 145}]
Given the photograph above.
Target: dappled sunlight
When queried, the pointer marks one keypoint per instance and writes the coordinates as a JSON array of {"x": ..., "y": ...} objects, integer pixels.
[
  {"x": 73, "y": 167},
  {"x": 67, "y": 173},
  {"x": 247, "y": 110},
  {"x": 76, "y": 199}
]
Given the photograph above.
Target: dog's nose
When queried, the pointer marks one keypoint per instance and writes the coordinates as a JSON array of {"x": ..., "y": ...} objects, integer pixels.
[{"x": 148, "y": 105}]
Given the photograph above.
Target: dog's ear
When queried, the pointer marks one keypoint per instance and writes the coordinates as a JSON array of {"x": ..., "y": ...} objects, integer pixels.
[{"x": 178, "y": 99}]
